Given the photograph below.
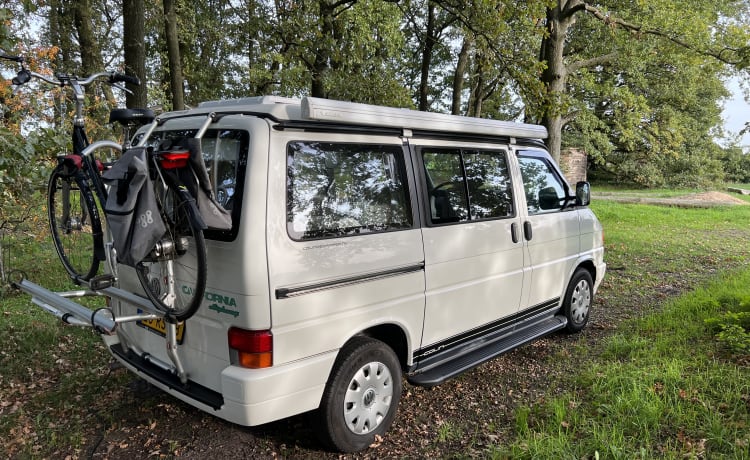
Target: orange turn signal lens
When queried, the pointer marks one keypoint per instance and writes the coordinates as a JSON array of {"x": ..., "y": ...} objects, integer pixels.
[{"x": 255, "y": 360}]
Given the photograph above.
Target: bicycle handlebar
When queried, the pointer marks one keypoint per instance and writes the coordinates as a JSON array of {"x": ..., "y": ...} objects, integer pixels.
[
  {"x": 24, "y": 75},
  {"x": 119, "y": 77},
  {"x": 11, "y": 58}
]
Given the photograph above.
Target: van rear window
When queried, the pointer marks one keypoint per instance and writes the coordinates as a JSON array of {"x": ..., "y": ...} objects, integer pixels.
[
  {"x": 337, "y": 189},
  {"x": 225, "y": 156}
]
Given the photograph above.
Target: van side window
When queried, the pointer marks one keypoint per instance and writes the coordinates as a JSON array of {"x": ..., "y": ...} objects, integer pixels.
[
  {"x": 338, "y": 190},
  {"x": 544, "y": 190},
  {"x": 467, "y": 185}
]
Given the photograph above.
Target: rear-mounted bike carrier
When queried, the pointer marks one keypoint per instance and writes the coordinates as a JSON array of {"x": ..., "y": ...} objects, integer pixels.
[{"x": 103, "y": 320}]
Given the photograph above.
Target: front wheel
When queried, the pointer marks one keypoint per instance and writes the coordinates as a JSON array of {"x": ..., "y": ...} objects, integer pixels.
[
  {"x": 578, "y": 299},
  {"x": 361, "y": 396},
  {"x": 74, "y": 222},
  {"x": 173, "y": 274}
]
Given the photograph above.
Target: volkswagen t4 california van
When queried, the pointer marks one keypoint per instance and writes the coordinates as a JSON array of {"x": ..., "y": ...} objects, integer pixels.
[{"x": 367, "y": 244}]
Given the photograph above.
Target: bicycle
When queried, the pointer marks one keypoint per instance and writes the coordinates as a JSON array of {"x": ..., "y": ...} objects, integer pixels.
[{"x": 173, "y": 273}]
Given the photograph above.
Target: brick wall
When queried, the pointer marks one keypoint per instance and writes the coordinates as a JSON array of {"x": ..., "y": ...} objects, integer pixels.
[{"x": 573, "y": 164}]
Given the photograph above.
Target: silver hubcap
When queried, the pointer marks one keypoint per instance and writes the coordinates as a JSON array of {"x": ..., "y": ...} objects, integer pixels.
[
  {"x": 580, "y": 301},
  {"x": 368, "y": 398}
]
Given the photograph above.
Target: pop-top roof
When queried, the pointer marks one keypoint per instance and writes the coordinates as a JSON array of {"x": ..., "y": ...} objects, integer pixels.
[{"x": 351, "y": 113}]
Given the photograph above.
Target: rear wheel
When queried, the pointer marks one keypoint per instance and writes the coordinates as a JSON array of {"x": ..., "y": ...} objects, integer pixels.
[
  {"x": 74, "y": 222},
  {"x": 173, "y": 275},
  {"x": 361, "y": 397}
]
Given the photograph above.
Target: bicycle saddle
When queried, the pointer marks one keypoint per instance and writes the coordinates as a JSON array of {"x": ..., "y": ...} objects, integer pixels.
[{"x": 131, "y": 116}]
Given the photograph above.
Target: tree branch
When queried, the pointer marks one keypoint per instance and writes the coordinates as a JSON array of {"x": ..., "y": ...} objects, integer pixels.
[
  {"x": 637, "y": 28},
  {"x": 592, "y": 62}
]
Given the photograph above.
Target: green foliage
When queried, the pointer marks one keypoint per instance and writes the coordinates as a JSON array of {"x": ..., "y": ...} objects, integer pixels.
[
  {"x": 6, "y": 34},
  {"x": 732, "y": 328},
  {"x": 646, "y": 115},
  {"x": 643, "y": 79},
  {"x": 736, "y": 165}
]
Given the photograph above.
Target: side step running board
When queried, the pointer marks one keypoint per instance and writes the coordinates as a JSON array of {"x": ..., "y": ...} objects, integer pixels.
[{"x": 453, "y": 367}]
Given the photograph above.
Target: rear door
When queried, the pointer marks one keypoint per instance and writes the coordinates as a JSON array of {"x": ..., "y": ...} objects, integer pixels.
[{"x": 474, "y": 257}]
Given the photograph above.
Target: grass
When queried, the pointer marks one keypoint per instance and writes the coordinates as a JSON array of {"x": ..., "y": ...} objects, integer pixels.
[
  {"x": 661, "y": 389},
  {"x": 48, "y": 371},
  {"x": 661, "y": 386}
]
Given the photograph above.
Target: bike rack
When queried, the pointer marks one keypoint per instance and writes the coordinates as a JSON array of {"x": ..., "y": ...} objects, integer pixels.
[{"x": 103, "y": 320}]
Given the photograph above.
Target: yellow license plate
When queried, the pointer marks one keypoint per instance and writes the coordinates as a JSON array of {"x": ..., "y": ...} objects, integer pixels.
[{"x": 160, "y": 327}]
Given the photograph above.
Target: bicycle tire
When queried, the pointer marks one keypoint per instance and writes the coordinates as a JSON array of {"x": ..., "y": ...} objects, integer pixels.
[
  {"x": 188, "y": 258},
  {"x": 74, "y": 222}
]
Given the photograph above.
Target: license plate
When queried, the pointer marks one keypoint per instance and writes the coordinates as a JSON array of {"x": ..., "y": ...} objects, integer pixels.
[{"x": 159, "y": 326}]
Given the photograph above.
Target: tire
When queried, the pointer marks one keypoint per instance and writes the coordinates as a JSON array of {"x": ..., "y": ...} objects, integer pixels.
[
  {"x": 361, "y": 397},
  {"x": 74, "y": 222},
  {"x": 578, "y": 300},
  {"x": 188, "y": 259}
]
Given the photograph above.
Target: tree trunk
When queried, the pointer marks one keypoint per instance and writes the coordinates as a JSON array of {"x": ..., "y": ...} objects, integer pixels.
[
  {"x": 91, "y": 56},
  {"x": 61, "y": 32},
  {"x": 477, "y": 86},
  {"x": 173, "y": 54},
  {"x": 459, "y": 75},
  {"x": 321, "y": 64},
  {"x": 429, "y": 46},
  {"x": 554, "y": 77},
  {"x": 134, "y": 32}
]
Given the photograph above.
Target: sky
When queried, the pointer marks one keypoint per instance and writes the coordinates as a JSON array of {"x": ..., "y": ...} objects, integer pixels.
[{"x": 736, "y": 112}]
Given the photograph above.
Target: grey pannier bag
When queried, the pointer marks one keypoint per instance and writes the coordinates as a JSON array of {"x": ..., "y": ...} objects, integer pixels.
[{"x": 132, "y": 213}]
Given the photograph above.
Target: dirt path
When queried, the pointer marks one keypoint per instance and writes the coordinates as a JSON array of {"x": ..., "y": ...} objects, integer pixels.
[{"x": 697, "y": 200}]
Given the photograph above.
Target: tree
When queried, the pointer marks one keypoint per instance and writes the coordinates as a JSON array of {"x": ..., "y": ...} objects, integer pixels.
[
  {"x": 134, "y": 50},
  {"x": 172, "y": 40},
  {"x": 696, "y": 27}
]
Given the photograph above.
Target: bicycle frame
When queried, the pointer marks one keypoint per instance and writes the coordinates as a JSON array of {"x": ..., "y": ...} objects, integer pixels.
[{"x": 82, "y": 166}]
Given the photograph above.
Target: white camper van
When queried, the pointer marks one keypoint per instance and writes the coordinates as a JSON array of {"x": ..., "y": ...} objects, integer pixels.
[{"x": 368, "y": 244}]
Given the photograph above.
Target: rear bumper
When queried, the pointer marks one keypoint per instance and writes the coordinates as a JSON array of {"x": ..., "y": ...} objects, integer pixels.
[
  {"x": 256, "y": 396},
  {"x": 247, "y": 396}
]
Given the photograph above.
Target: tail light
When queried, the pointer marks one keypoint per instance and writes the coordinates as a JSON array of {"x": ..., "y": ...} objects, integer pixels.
[
  {"x": 254, "y": 349},
  {"x": 174, "y": 160}
]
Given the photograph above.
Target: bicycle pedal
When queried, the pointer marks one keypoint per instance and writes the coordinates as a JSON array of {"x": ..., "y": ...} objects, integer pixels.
[{"x": 100, "y": 282}]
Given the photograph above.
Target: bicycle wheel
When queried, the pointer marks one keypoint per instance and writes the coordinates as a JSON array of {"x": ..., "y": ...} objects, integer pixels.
[
  {"x": 173, "y": 275},
  {"x": 74, "y": 222}
]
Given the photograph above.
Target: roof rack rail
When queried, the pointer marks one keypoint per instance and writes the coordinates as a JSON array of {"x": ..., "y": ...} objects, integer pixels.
[{"x": 255, "y": 100}]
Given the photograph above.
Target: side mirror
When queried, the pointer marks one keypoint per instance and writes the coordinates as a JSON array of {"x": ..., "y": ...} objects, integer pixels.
[{"x": 583, "y": 194}]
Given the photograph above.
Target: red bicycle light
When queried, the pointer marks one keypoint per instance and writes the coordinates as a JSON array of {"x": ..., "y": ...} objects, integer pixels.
[{"x": 174, "y": 160}]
